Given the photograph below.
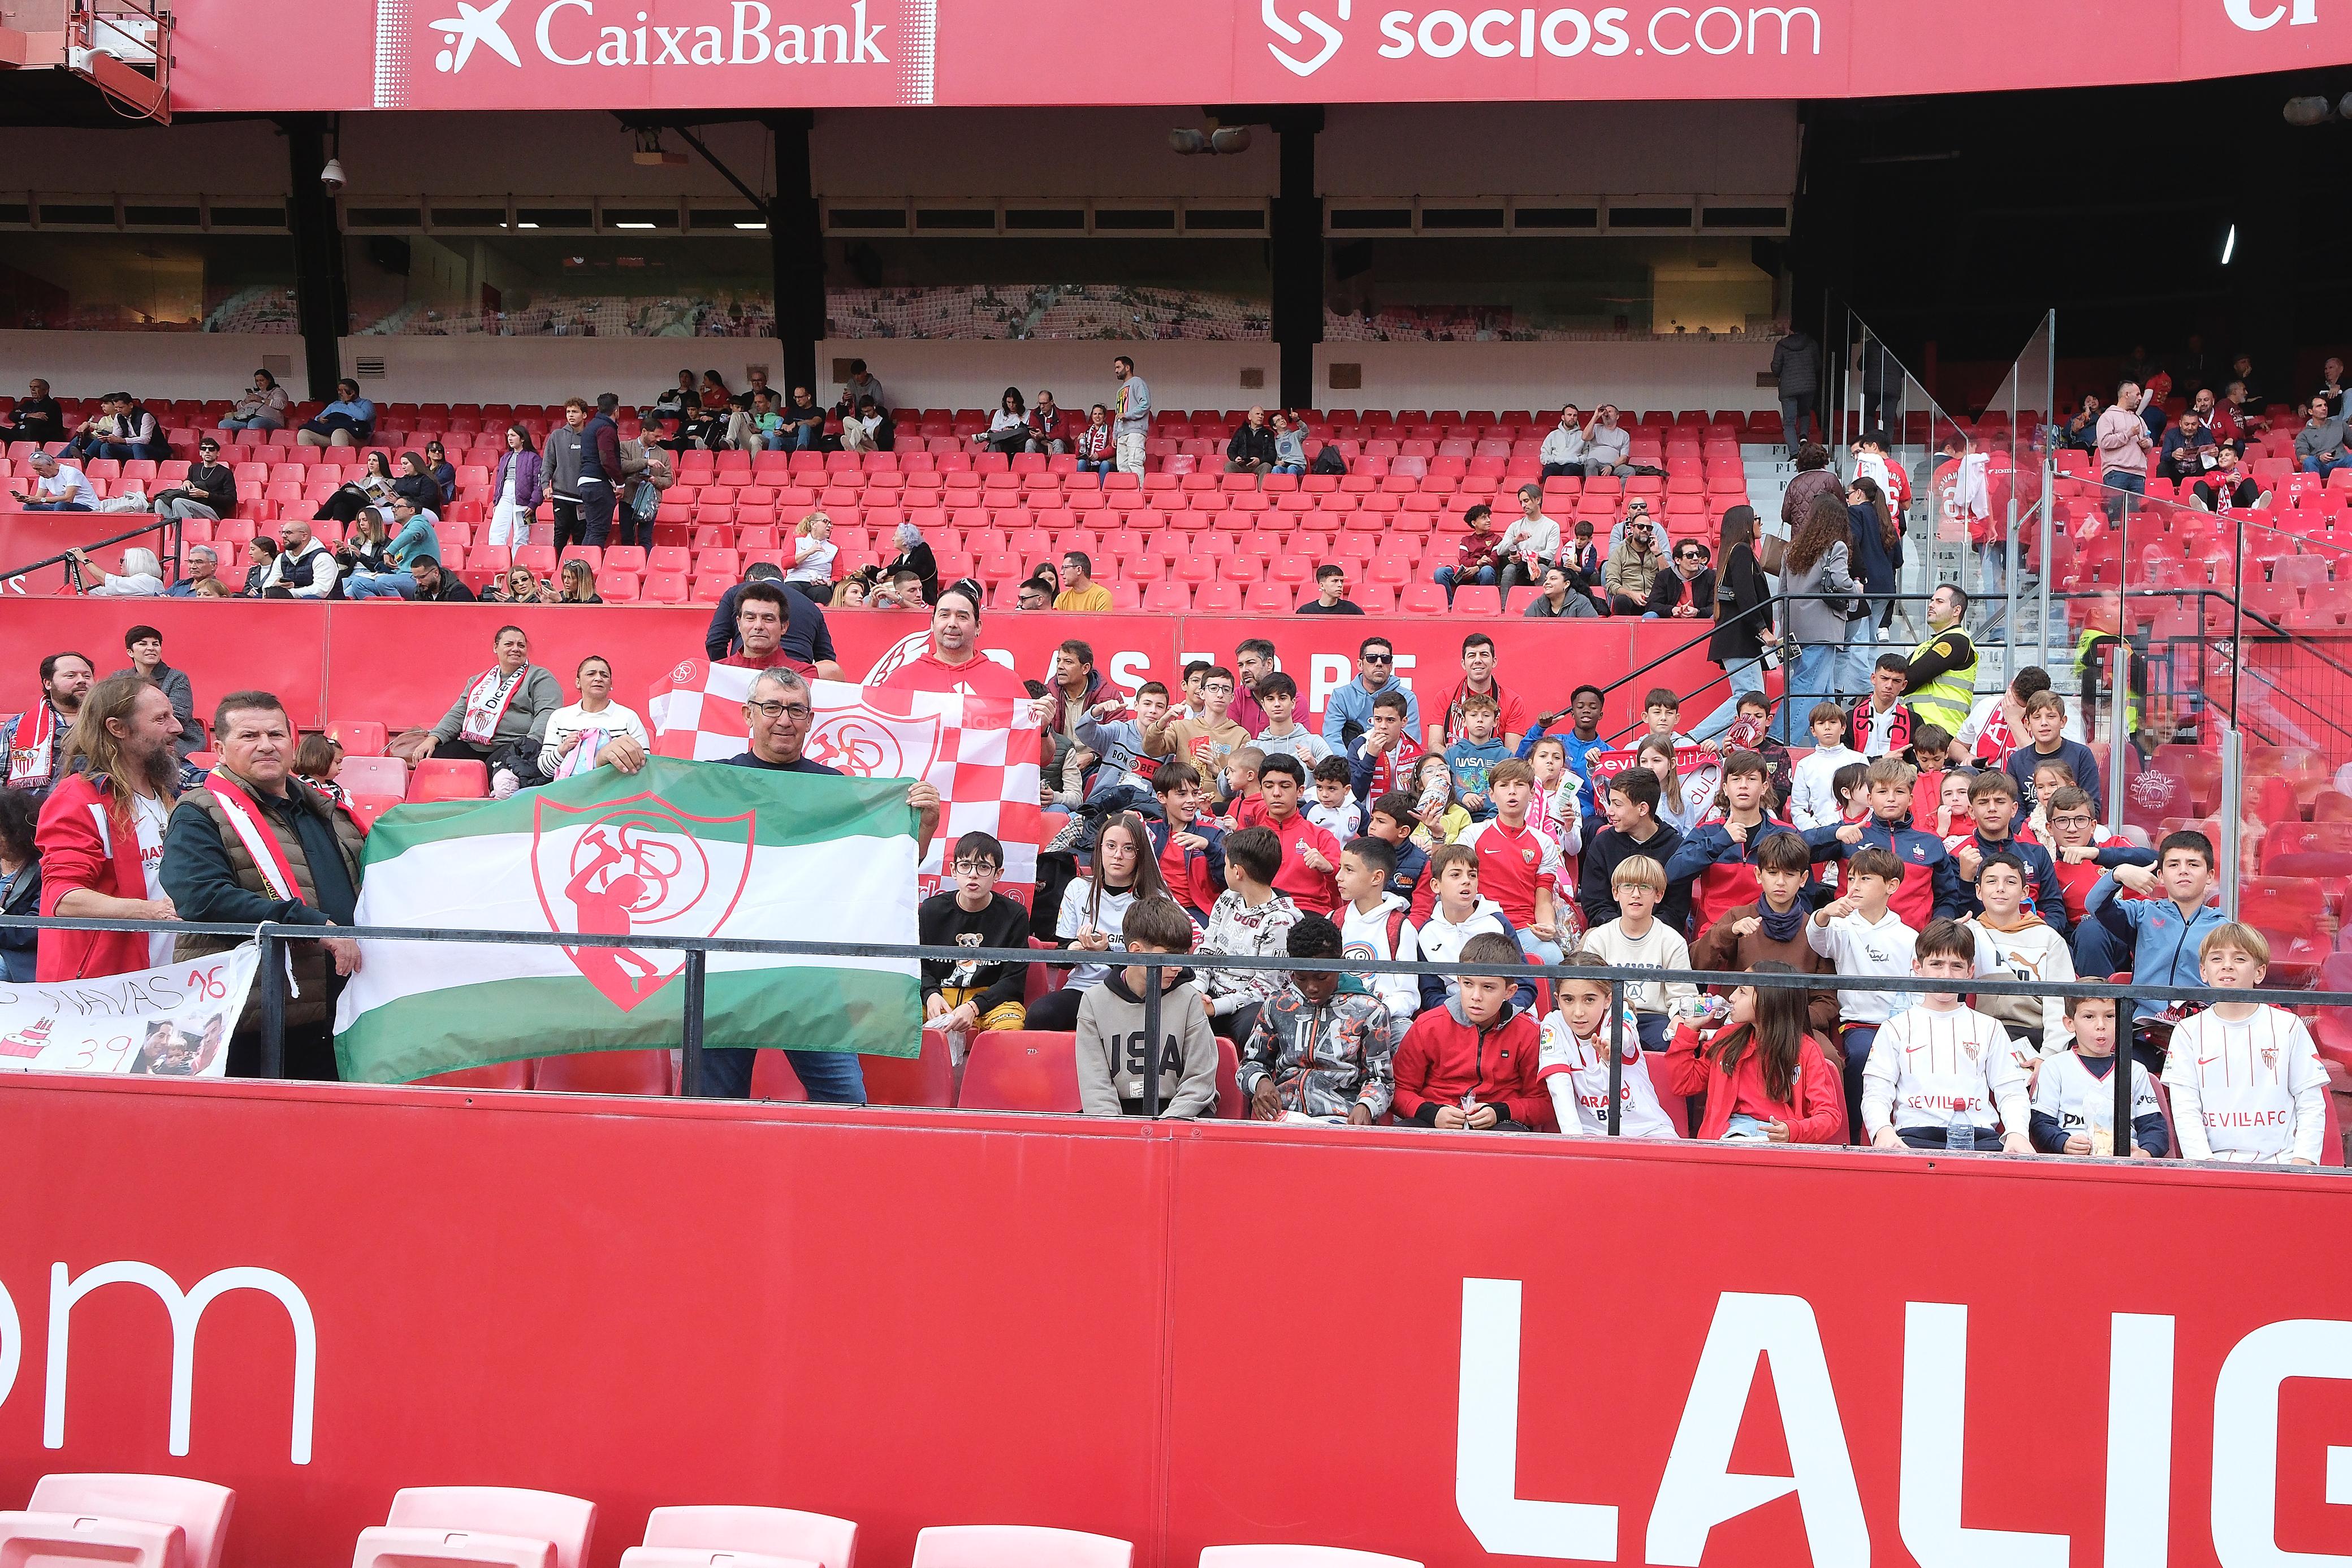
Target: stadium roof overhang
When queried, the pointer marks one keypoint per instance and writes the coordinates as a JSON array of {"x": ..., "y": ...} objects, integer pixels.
[{"x": 285, "y": 56}]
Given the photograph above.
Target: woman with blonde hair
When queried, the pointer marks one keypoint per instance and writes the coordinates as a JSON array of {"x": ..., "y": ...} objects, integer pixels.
[
  {"x": 579, "y": 584},
  {"x": 813, "y": 553}
]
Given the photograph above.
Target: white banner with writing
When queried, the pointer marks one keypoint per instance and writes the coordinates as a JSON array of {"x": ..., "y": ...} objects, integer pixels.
[{"x": 171, "y": 1022}]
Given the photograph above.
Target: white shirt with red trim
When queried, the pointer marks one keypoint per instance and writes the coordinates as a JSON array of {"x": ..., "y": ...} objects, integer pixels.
[
  {"x": 1513, "y": 862},
  {"x": 1926, "y": 1064},
  {"x": 1576, "y": 1075},
  {"x": 2251, "y": 1090}
]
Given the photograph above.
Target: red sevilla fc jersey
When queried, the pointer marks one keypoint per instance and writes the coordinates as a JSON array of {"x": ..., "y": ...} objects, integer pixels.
[
  {"x": 1512, "y": 864},
  {"x": 978, "y": 677}
]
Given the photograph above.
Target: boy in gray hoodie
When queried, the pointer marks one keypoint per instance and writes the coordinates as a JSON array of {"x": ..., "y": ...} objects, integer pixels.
[{"x": 1113, "y": 1055}]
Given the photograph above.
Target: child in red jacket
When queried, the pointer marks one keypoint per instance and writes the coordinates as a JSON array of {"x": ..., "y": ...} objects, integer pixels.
[
  {"x": 1473, "y": 1062},
  {"x": 1765, "y": 1079}
]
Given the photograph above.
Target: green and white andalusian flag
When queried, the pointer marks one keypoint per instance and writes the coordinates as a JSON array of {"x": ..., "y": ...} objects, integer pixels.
[{"x": 682, "y": 848}]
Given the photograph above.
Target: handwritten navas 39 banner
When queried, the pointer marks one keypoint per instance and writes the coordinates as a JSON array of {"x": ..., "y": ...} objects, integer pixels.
[{"x": 171, "y": 1022}]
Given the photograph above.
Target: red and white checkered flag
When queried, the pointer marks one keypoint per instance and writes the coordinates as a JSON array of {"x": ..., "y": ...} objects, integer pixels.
[{"x": 980, "y": 753}]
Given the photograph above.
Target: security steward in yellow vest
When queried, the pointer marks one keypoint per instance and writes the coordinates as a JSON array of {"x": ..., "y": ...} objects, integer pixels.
[{"x": 1940, "y": 683}]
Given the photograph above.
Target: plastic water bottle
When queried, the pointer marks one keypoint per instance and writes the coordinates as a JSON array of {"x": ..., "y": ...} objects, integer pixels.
[{"x": 1959, "y": 1133}]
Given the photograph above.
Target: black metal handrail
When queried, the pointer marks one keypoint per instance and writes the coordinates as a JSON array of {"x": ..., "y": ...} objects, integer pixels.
[
  {"x": 271, "y": 976},
  {"x": 169, "y": 528}
]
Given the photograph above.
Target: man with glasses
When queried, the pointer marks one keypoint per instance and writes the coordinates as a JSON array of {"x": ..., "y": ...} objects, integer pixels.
[
  {"x": 777, "y": 714},
  {"x": 1634, "y": 566},
  {"x": 209, "y": 491},
  {"x": 1349, "y": 711},
  {"x": 1687, "y": 592}
]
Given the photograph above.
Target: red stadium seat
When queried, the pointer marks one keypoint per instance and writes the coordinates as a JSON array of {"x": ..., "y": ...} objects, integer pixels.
[
  {"x": 126, "y": 1520},
  {"x": 927, "y": 1079},
  {"x": 373, "y": 774},
  {"x": 1477, "y": 599},
  {"x": 1297, "y": 1557},
  {"x": 605, "y": 1073},
  {"x": 1020, "y": 1070},
  {"x": 449, "y": 779},
  {"x": 360, "y": 737}
]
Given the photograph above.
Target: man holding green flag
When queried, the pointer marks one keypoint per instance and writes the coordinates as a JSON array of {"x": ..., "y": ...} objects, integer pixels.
[{"x": 678, "y": 849}]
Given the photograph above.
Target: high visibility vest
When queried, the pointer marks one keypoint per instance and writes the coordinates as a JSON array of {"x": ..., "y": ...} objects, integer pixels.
[{"x": 1944, "y": 701}]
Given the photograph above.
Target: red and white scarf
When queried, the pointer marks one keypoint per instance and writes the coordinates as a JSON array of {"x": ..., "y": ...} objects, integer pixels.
[
  {"x": 32, "y": 757},
  {"x": 485, "y": 703},
  {"x": 1996, "y": 741},
  {"x": 245, "y": 821}
]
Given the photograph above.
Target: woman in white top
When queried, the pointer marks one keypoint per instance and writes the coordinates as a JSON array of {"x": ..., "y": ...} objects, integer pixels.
[
  {"x": 142, "y": 577},
  {"x": 262, "y": 408},
  {"x": 1008, "y": 427},
  {"x": 812, "y": 557},
  {"x": 1093, "y": 912},
  {"x": 575, "y": 734},
  {"x": 517, "y": 489}
]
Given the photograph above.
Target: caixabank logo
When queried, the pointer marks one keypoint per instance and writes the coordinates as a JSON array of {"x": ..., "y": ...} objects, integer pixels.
[
  {"x": 1305, "y": 41},
  {"x": 447, "y": 53}
]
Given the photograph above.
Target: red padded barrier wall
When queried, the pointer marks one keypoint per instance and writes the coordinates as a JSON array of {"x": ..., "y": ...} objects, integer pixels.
[{"x": 1184, "y": 1336}]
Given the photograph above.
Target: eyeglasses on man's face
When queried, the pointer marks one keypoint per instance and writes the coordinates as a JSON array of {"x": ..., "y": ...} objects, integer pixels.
[{"x": 799, "y": 712}]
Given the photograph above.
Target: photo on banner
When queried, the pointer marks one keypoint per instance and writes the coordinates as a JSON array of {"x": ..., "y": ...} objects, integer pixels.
[{"x": 170, "y": 1022}]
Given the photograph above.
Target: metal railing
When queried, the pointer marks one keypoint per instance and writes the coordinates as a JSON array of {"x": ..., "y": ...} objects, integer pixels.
[
  {"x": 271, "y": 977},
  {"x": 167, "y": 530}
]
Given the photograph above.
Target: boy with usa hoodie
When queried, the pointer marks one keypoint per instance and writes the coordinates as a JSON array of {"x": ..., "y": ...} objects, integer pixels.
[
  {"x": 1472, "y": 1065},
  {"x": 1376, "y": 923}
]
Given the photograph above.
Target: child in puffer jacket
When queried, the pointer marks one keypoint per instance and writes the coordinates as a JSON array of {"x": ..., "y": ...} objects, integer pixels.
[{"x": 1324, "y": 1048}]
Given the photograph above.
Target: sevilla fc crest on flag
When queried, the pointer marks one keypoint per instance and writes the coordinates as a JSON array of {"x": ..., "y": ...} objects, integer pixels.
[
  {"x": 636, "y": 866},
  {"x": 866, "y": 743}
]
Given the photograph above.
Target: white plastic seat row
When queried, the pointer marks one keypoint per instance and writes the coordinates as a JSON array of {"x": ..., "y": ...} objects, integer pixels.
[{"x": 167, "y": 1521}]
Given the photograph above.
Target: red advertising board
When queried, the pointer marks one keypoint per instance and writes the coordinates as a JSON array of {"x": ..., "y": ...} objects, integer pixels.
[
  {"x": 404, "y": 664},
  {"x": 1454, "y": 1350},
  {"x": 734, "y": 54}
]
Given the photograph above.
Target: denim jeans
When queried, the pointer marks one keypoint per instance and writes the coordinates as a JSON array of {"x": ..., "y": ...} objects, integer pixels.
[
  {"x": 1097, "y": 466},
  {"x": 1290, "y": 467},
  {"x": 1813, "y": 678},
  {"x": 1859, "y": 654},
  {"x": 259, "y": 422},
  {"x": 379, "y": 585},
  {"x": 1536, "y": 947},
  {"x": 2322, "y": 466},
  {"x": 1449, "y": 578},
  {"x": 1745, "y": 676},
  {"x": 830, "y": 1077},
  {"x": 807, "y": 437},
  {"x": 2121, "y": 482}
]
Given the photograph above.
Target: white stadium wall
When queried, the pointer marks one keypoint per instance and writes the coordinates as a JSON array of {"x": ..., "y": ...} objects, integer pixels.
[{"x": 935, "y": 374}]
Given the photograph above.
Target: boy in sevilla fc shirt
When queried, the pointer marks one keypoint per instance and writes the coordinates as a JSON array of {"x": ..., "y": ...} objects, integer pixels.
[
  {"x": 1718, "y": 860},
  {"x": 1519, "y": 864},
  {"x": 2246, "y": 1082},
  {"x": 1311, "y": 856},
  {"x": 1939, "y": 1067},
  {"x": 952, "y": 660}
]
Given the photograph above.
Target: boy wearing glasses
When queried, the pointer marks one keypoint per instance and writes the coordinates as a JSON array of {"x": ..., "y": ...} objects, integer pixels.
[
  {"x": 962, "y": 996},
  {"x": 2083, "y": 853}
]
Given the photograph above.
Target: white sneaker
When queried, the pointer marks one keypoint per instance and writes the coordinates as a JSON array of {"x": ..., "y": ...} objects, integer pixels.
[{"x": 504, "y": 783}]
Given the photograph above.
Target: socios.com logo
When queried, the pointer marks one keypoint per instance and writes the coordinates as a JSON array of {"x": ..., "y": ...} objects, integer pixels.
[
  {"x": 1322, "y": 30},
  {"x": 1566, "y": 33}
]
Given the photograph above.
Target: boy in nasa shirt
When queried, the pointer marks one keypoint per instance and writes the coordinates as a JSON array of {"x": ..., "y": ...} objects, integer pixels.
[
  {"x": 1939, "y": 1071},
  {"x": 2074, "y": 1092},
  {"x": 2246, "y": 1082},
  {"x": 1573, "y": 1062}
]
